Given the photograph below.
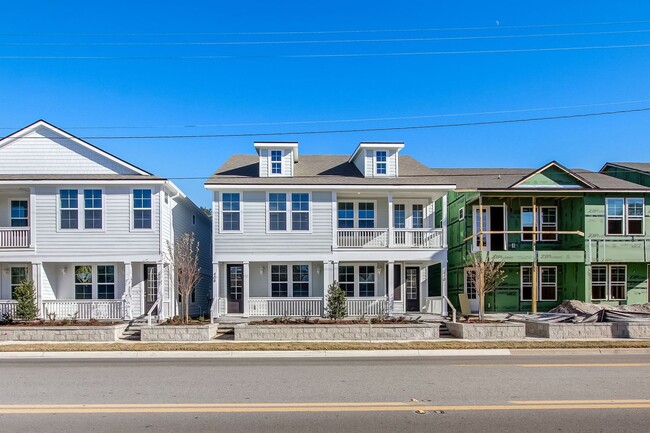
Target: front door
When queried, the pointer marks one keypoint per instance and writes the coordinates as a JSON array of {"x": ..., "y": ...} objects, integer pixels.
[
  {"x": 235, "y": 288},
  {"x": 412, "y": 286},
  {"x": 150, "y": 288}
]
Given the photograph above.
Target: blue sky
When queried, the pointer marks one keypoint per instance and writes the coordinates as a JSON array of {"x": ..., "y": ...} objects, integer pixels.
[{"x": 257, "y": 85}]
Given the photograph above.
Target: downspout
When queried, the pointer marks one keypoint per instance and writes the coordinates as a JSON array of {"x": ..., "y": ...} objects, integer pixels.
[{"x": 170, "y": 277}]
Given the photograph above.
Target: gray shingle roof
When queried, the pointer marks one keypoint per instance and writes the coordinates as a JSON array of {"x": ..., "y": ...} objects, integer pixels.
[
  {"x": 320, "y": 170},
  {"x": 638, "y": 166},
  {"x": 80, "y": 177},
  {"x": 503, "y": 178}
]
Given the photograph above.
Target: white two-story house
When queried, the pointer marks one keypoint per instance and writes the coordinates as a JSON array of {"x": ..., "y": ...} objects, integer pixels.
[
  {"x": 286, "y": 226},
  {"x": 90, "y": 230}
]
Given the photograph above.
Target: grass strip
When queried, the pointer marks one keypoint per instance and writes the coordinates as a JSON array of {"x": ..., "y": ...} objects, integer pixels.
[{"x": 233, "y": 346}]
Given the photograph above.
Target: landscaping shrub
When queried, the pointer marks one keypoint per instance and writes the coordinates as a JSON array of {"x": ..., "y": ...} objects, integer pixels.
[
  {"x": 25, "y": 296},
  {"x": 336, "y": 302}
]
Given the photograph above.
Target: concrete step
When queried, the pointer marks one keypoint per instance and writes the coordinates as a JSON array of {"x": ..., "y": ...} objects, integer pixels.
[{"x": 444, "y": 331}]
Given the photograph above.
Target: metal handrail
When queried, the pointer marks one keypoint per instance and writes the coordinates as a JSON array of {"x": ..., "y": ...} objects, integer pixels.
[
  {"x": 153, "y": 307},
  {"x": 453, "y": 309}
]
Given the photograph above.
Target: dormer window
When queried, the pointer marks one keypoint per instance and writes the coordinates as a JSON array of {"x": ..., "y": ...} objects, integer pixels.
[
  {"x": 381, "y": 157},
  {"x": 276, "y": 162}
]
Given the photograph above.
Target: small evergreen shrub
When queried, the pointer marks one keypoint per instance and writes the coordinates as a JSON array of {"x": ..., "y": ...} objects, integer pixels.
[
  {"x": 25, "y": 296},
  {"x": 336, "y": 302}
]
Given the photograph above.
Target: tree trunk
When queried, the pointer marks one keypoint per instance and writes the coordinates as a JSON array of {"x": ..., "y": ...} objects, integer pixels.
[
  {"x": 187, "y": 308},
  {"x": 481, "y": 306}
]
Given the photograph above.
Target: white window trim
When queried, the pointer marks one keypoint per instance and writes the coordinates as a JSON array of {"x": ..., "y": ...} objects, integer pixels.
[
  {"x": 270, "y": 159},
  {"x": 355, "y": 208},
  {"x": 153, "y": 206},
  {"x": 408, "y": 211},
  {"x": 82, "y": 209},
  {"x": 288, "y": 213},
  {"x": 625, "y": 216},
  {"x": 466, "y": 272},
  {"x": 475, "y": 228},
  {"x": 539, "y": 284},
  {"x": 94, "y": 292},
  {"x": 357, "y": 281},
  {"x": 289, "y": 279},
  {"x": 376, "y": 163},
  {"x": 540, "y": 210},
  {"x": 29, "y": 216},
  {"x": 27, "y": 277},
  {"x": 241, "y": 212},
  {"x": 608, "y": 283}
]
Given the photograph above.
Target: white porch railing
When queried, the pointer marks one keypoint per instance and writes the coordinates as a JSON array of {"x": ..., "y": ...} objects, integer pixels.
[
  {"x": 379, "y": 238},
  {"x": 11, "y": 237},
  {"x": 86, "y": 309},
  {"x": 7, "y": 308},
  {"x": 367, "y": 306},
  {"x": 285, "y": 307},
  {"x": 362, "y": 238},
  {"x": 433, "y": 305},
  {"x": 417, "y": 238}
]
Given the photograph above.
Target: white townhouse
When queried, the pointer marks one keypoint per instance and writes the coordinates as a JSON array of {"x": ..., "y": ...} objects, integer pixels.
[
  {"x": 287, "y": 225},
  {"x": 90, "y": 230}
]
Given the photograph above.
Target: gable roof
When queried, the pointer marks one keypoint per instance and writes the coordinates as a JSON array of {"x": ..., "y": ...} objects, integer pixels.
[
  {"x": 321, "y": 170},
  {"x": 552, "y": 165},
  {"x": 643, "y": 167},
  {"x": 135, "y": 170},
  {"x": 503, "y": 179}
]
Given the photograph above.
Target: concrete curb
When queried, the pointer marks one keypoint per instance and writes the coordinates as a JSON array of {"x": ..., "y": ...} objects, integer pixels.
[{"x": 256, "y": 354}]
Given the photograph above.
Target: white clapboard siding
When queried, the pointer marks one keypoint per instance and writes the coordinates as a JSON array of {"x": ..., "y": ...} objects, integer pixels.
[
  {"x": 255, "y": 237},
  {"x": 116, "y": 239},
  {"x": 44, "y": 151}
]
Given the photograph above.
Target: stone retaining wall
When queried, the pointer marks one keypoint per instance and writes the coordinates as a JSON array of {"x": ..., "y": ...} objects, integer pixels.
[
  {"x": 487, "y": 331},
  {"x": 588, "y": 330},
  {"x": 379, "y": 332},
  {"x": 61, "y": 333},
  {"x": 179, "y": 332}
]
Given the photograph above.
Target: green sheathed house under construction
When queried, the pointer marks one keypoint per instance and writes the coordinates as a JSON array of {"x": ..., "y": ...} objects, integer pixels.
[{"x": 562, "y": 233}]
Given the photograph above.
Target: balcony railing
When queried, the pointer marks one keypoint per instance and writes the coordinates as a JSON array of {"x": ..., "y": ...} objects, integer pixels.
[
  {"x": 384, "y": 238},
  {"x": 110, "y": 309},
  {"x": 8, "y": 309},
  {"x": 301, "y": 307},
  {"x": 11, "y": 237}
]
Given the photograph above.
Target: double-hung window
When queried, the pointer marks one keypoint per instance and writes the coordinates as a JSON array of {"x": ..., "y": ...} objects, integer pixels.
[
  {"x": 19, "y": 213},
  {"x": 69, "y": 208},
  {"x": 277, "y": 211},
  {"x": 83, "y": 282},
  {"x": 346, "y": 279},
  {"x": 381, "y": 157},
  {"x": 366, "y": 215},
  {"x": 300, "y": 280},
  {"x": 279, "y": 281},
  {"x": 470, "y": 284},
  {"x": 346, "y": 215},
  {"x": 417, "y": 217},
  {"x": 300, "y": 211},
  {"x": 276, "y": 162},
  {"x": 399, "y": 216},
  {"x": 546, "y": 222},
  {"x": 625, "y": 216},
  {"x": 608, "y": 282},
  {"x": 366, "y": 281},
  {"x": 18, "y": 276},
  {"x": 231, "y": 211},
  {"x": 142, "y": 209},
  {"x": 105, "y": 282},
  {"x": 546, "y": 283},
  {"x": 93, "y": 208}
]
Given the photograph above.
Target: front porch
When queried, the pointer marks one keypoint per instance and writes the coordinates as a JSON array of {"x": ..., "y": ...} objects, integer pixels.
[{"x": 266, "y": 289}]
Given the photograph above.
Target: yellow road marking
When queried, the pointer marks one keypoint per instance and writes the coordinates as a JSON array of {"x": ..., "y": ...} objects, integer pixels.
[
  {"x": 316, "y": 407},
  {"x": 627, "y": 364}
]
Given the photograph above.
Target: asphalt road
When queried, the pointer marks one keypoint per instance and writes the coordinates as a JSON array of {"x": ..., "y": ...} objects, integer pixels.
[{"x": 484, "y": 394}]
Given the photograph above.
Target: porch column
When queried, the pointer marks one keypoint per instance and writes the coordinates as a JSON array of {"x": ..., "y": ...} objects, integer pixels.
[
  {"x": 390, "y": 219},
  {"x": 246, "y": 288},
  {"x": 335, "y": 271},
  {"x": 31, "y": 215},
  {"x": 215, "y": 313},
  {"x": 443, "y": 286},
  {"x": 390, "y": 290},
  {"x": 37, "y": 278},
  {"x": 128, "y": 285},
  {"x": 328, "y": 279},
  {"x": 444, "y": 221},
  {"x": 160, "y": 274}
]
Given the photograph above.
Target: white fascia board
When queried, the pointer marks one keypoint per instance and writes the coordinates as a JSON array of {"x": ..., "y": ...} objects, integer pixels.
[
  {"x": 81, "y": 257},
  {"x": 293, "y": 145},
  {"x": 378, "y": 145},
  {"x": 390, "y": 254},
  {"x": 433, "y": 188},
  {"x": 43, "y": 124},
  {"x": 82, "y": 182},
  {"x": 271, "y": 257}
]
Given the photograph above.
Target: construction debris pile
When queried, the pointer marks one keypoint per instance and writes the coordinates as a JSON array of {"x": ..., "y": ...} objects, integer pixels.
[{"x": 585, "y": 312}]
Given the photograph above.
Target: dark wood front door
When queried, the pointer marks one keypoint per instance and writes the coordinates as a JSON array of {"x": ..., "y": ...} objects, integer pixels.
[
  {"x": 150, "y": 288},
  {"x": 235, "y": 288},
  {"x": 412, "y": 286}
]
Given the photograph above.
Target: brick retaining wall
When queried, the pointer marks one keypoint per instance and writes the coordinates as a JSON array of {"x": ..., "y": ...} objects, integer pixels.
[{"x": 379, "y": 332}]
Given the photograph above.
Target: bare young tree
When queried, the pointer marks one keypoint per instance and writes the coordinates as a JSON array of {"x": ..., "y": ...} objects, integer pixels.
[
  {"x": 184, "y": 261},
  {"x": 486, "y": 275}
]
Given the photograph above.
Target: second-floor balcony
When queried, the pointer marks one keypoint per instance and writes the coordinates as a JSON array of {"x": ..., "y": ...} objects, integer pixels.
[
  {"x": 15, "y": 237},
  {"x": 390, "y": 238}
]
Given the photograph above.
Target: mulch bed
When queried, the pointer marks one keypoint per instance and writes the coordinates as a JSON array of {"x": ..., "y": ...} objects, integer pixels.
[
  {"x": 320, "y": 321},
  {"x": 46, "y": 323}
]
